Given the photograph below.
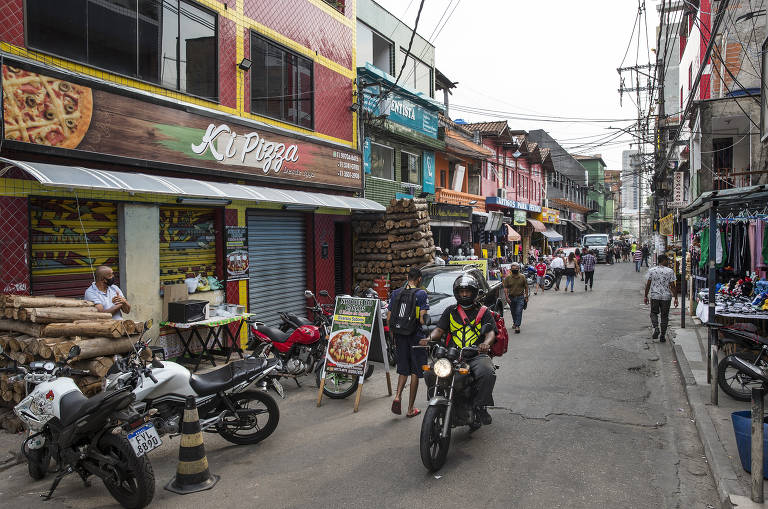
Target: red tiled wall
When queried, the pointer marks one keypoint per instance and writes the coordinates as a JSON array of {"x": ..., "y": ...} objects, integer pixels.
[
  {"x": 227, "y": 64},
  {"x": 306, "y": 24},
  {"x": 14, "y": 245},
  {"x": 12, "y": 22},
  {"x": 333, "y": 97}
]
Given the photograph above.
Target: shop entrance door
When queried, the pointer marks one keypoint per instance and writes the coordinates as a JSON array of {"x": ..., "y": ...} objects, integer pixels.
[{"x": 277, "y": 257}]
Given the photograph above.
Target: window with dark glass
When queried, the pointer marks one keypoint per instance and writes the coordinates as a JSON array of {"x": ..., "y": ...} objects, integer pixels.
[
  {"x": 170, "y": 42},
  {"x": 282, "y": 85},
  {"x": 382, "y": 161},
  {"x": 409, "y": 167}
]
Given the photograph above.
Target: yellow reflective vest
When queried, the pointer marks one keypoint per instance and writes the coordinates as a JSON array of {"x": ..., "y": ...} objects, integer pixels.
[{"x": 463, "y": 335}]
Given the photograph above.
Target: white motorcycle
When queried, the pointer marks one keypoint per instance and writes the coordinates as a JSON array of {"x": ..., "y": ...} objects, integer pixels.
[
  {"x": 224, "y": 404},
  {"x": 99, "y": 436}
]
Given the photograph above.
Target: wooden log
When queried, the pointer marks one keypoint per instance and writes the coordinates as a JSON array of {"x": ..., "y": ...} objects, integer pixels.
[
  {"x": 374, "y": 257},
  {"x": 409, "y": 245},
  {"x": 7, "y": 395},
  {"x": 93, "y": 347},
  {"x": 21, "y": 357},
  {"x": 55, "y": 315},
  {"x": 45, "y": 346},
  {"x": 29, "y": 345},
  {"x": 23, "y": 327},
  {"x": 26, "y": 301},
  {"x": 98, "y": 366},
  {"x": 108, "y": 328},
  {"x": 12, "y": 344}
]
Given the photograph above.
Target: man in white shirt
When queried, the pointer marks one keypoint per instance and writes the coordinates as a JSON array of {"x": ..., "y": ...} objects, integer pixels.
[
  {"x": 106, "y": 295},
  {"x": 558, "y": 267},
  {"x": 439, "y": 256},
  {"x": 661, "y": 284}
]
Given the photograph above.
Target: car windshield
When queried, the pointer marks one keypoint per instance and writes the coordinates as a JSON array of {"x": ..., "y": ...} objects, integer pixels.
[
  {"x": 440, "y": 282},
  {"x": 601, "y": 240}
]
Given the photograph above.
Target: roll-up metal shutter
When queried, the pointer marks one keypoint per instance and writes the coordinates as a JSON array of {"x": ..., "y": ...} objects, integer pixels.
[
  {"x": 61, "y": 259},
  {"x": 187, "y": 243},
  {"x": 277, "y": 254}
]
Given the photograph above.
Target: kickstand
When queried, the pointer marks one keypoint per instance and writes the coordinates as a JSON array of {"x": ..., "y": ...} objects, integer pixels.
[
  {"x": 56, "y": 482},
  {"x": 298, "y": 384}
]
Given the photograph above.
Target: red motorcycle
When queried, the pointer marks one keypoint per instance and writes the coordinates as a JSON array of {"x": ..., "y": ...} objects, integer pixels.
[{"x": 300, "y": 345}]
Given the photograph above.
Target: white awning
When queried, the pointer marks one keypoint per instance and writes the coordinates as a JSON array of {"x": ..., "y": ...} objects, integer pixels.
[
  {"x": 552, "y": 235},
  {"x": 77, "y": 177}
]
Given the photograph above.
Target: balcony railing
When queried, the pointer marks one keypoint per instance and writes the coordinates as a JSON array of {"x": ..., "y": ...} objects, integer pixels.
[
  {"x": 458, "y": 198},
  {"x": 727, "y": 178}
]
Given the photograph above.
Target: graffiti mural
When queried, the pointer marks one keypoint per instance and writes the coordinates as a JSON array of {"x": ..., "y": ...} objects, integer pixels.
[
  {"x": 68, "y": 241},
  {"x": 187, "y": 243}
]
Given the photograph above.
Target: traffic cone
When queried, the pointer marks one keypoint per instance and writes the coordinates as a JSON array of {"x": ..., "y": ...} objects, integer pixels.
[{"x": 192, "y": 473}]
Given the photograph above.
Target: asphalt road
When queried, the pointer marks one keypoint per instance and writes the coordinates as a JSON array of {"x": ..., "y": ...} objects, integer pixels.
[{"x": 590, "y": 413}]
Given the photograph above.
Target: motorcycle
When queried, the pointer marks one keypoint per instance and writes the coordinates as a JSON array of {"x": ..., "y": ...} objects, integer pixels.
[
  {"x": 224, "y": 404},
  {"x": 99, "y": 436},
  {"x": 752, "y": 348},
  {"x": 449, "y": 392}
]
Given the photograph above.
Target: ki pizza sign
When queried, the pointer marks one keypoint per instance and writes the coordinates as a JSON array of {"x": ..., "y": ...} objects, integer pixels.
[{"x": 52, "y": 112}]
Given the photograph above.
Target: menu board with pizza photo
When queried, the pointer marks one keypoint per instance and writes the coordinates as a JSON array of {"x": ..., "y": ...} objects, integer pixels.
[
  {"x": 350, "y": 338},
  {"x": 237, "y": 253}
]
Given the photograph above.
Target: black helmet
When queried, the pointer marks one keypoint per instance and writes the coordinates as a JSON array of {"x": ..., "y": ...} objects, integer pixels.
[{"x": 466, "y": 281}]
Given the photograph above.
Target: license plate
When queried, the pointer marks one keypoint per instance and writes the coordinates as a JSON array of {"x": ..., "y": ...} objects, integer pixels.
[
  {"x": 278, "y": 388},
  {"x": 144, "y": 439}
]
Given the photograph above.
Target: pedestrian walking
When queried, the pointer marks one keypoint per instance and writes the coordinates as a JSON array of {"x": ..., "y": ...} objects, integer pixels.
[
  {"x": 646, "y": 251},
  {"x": 625, "y": 252},
  {"x": 660, "y": 287},
  {"x": 407, "y": 309},
  {"x": 516, "y": 288},
  {"x": 637, "y": 257},
  {"x": 609, "y": 255},
  {"x": 588, "y": 262},
  {"x": 541, "y": 271},
  {"x": 617, "y": 252},
  {"x": 571, "y": 268},
  {"x": 577, "y": 255},
  {"x": 558, "y": 266}
]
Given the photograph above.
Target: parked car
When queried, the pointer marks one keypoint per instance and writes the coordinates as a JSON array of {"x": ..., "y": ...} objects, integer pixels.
[{"x": 438, "y": 280}]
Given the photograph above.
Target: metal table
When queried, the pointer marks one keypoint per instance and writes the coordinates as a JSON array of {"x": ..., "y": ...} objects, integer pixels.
[{"x": 218, "y": 330}]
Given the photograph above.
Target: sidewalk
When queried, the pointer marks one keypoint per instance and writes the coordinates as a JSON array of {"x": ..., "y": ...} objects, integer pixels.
[{"x": 712, "y": 422}]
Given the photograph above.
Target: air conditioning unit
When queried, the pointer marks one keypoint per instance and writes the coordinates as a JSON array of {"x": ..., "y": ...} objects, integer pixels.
[{"x": 501, "y": 193}]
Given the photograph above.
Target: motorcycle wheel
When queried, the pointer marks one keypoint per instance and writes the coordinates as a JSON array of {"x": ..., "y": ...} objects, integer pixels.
[
  {"x": 735, "y": 383},
  {"x": 391, "y": 351},
  {"x": 531, "y": 280},
  {"x": 337, "y": 385},
  {"x": 249, "y": 426},
  {"x": 434, "y": 450},
  {"x": 136, "y": 486},
  {"x": 37, "y": 462},
  {"x": 548, "y": 282}
]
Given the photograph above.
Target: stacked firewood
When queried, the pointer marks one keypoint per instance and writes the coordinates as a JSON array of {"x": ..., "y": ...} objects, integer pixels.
[
  {"x": 390, "y": 245},
  {"x": 46, "y": 328}
]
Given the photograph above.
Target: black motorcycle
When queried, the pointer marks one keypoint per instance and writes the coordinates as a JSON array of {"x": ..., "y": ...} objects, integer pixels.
[
  {"x": 741, "y": 343},
  {"x": 449, "y": 392}
]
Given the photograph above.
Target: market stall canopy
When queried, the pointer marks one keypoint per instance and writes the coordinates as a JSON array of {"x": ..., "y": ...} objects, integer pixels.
[
  {"x": 537, "y": 225},
  {"x": 577, "y": 224},
  {"x": 512, "y": 235},
  {"x": 77, "y": 177},
  {"x": 727, "y": 200},
  {"x": 552, "y": 235}
]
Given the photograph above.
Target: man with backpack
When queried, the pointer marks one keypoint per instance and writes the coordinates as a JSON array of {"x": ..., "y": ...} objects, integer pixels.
[
  {"x": 406, "y": 314},
  {"x": 468, "y": 323}
]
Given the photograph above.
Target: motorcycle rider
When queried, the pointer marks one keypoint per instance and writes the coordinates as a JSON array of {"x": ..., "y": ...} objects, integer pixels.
[{"x": 466, "y": 289}]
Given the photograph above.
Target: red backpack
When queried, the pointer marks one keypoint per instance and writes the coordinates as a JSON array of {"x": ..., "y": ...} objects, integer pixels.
[{"x": 499, "y": 347}]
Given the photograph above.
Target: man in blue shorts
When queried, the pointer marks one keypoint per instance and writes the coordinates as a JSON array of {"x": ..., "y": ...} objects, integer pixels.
[{"x": 408, "y": 304}]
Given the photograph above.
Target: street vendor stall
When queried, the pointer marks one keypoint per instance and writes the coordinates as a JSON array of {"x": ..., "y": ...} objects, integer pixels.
[{"x": 219, "y": 339}]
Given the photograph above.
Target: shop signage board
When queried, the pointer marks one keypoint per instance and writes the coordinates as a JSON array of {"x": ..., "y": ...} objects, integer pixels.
[
  {"x": 512, "y": 204},
  {"x": 237, "y": 253},
  {"x": 103, "y": 122},
  {"x": 355, "y": 322},
  {"x": 666, "y": 225},
  {"x": 428, "y": 171},
  {"x": 678, "y": 190},
  {"x": 548, "y": 215},
  {"x": 400, "y": 110},
  {"x": 482, "y": 264},
  {"x": 448, "y": 212},
  {"x": 520, "y": 217},
  {"x": 367, "y": 155}
]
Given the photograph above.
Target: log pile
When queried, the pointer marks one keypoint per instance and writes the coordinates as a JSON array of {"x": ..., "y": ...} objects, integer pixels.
[
  {"x": 390, "y": 245},
  {"x": 45, "y": 328}
]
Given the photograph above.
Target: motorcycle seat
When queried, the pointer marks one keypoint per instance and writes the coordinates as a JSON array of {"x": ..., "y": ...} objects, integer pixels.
[
  {"x": 74, "y": 405},
  {"x": 298, "y": 320},
  {"x": 275, "y": 335},
  {"x": 226, "y": 376}
]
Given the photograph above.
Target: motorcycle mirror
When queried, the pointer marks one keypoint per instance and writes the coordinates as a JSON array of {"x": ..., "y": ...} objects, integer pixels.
[
  {"x": 324, "y": 293},
  {"x": 73, "y": 352},
  {"x": 148, "y": 324},
  {"x": 308, "y": 294}
]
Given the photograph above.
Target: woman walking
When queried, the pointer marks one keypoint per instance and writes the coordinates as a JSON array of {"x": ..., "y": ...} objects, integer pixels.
[
  {"x": 571, "y": 269},
  {"x": 577, "y": 255}
]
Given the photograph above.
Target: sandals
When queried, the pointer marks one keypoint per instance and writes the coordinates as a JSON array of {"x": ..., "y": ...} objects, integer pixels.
[
  {"x": 414, "y": 413},
  {"x": 396, "y": 407}
]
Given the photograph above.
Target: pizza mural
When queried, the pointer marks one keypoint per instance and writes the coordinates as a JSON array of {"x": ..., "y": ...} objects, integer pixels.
[{"x": 42, "y": 110}]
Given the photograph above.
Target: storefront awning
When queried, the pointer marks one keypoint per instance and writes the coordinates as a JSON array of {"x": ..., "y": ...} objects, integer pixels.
[
  {"x": 512, "y": 235},
  {"x": 77, "y": 177},
  {"x": 456, "y": 144},
  {"x": 537, "y": 225},
  {"x": 552, "y": 235},
  {"x": 577, "y": 224}
]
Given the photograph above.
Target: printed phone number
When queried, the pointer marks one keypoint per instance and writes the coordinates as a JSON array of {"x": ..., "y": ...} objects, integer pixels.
[{"x": 349, "y": 174}]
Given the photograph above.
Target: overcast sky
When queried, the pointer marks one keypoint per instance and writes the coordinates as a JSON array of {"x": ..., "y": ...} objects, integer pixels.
[{"x": 552, "y": 57}]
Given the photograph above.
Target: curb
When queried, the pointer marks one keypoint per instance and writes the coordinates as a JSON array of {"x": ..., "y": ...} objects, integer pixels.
[{"x": 726, "y": 481}]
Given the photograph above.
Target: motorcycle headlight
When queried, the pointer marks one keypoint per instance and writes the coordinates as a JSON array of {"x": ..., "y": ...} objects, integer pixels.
[{"x": 442, "y": 368}]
